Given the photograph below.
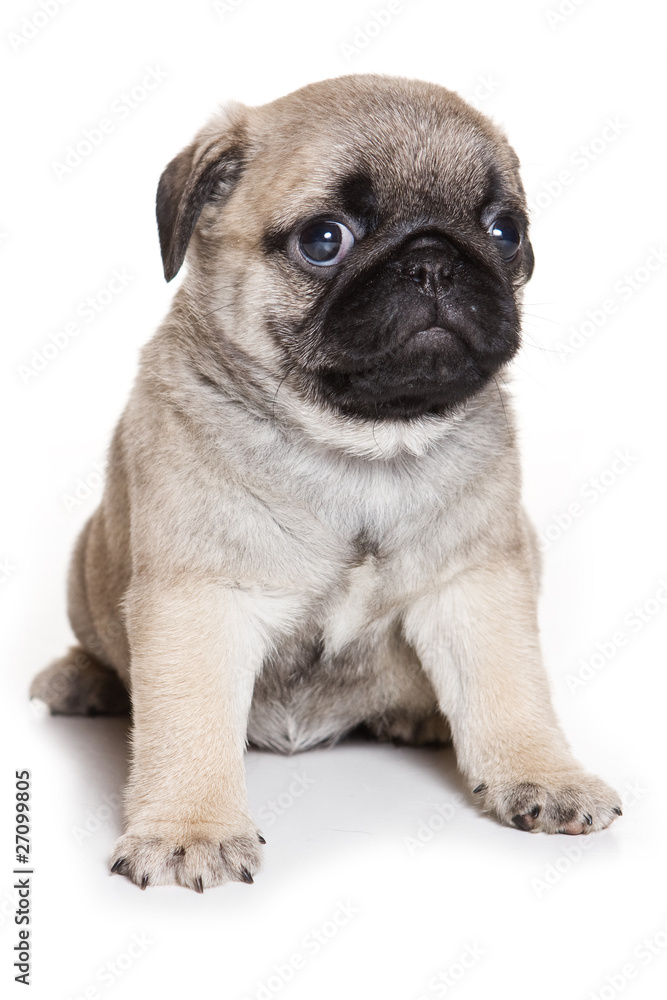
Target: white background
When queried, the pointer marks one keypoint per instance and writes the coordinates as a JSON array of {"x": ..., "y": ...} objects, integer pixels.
[{"x": 537, "y": 920}]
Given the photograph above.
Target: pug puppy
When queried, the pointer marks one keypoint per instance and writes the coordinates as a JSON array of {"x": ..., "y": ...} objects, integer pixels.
[{"x": 312, "y": 518}]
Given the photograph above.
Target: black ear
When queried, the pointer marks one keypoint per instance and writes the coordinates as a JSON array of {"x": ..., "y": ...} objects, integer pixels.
[{"x": 205, "y": 169}]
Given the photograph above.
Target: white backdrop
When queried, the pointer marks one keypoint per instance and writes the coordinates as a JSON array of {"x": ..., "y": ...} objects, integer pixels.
[{"x": 380, "y": 878}]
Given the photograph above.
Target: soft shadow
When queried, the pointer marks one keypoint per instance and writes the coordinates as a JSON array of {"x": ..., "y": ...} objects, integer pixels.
[{"x": 97, "y": 750}]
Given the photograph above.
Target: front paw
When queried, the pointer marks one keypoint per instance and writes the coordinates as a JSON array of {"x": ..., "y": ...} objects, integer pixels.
[
  {"x": 581, "y": 805},
  {"x": 196, "y": 859}
]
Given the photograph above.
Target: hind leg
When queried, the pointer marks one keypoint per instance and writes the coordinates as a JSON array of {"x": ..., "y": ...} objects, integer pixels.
[
  {"x": 414, "y": 729},
  {"x": 79, "y": 684}
]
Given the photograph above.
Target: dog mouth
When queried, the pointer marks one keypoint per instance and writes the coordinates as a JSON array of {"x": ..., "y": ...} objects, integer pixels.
[
  {"x": 430, "y": 370},
  {"x": 443, "y": 344},
  {"x": 433, "y": 338}
]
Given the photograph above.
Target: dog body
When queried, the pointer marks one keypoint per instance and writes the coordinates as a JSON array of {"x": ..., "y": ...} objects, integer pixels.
[
  {"x": 312, "y": 519},
  {"x": 333, "y": 560}
]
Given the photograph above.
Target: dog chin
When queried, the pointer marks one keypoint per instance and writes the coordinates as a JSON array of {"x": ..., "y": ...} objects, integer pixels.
[
  {"x": 431, "y": 374},
  {"x": 368, "y": 437}
]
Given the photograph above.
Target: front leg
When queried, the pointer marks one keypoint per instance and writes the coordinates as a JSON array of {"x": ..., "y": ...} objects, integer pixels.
[
  {"x": 477, "y": 638},
  {"x": 196, "y": 650}
]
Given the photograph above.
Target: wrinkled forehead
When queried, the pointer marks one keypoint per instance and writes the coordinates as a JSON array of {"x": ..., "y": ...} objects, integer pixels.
[{"x": 386, "y": 160}]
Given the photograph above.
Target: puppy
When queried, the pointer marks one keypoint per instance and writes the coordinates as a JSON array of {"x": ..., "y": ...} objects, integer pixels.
[{"x": 312, "y": 516}]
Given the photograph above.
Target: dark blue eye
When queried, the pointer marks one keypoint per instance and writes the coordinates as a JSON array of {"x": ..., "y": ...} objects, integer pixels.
[
  {"x": 325, "y": 243},
  {"x": 507, "y": 236}
]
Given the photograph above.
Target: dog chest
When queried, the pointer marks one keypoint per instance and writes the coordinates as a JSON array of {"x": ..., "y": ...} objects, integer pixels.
[{"x": 357, "y": 605}]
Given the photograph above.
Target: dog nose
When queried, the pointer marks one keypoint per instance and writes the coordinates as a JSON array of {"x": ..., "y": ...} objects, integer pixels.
[{"x": 428, "y": 261}]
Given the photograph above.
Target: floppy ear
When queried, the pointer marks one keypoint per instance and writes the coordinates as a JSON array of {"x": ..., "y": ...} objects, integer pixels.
[{"x": 208, "y": 168}]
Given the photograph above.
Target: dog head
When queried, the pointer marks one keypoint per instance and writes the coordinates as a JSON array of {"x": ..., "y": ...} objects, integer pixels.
[{"x": 363, "y": 240}]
